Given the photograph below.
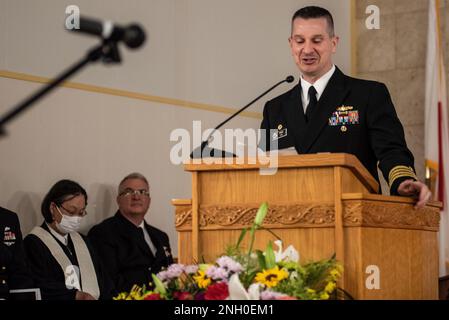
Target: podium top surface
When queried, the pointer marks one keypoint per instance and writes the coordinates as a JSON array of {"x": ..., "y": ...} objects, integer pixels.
[{"x": 291, "y": 161}]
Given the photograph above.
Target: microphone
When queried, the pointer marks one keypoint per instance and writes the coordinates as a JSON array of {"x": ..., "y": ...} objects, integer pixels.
[
  {"x": 198, "y": 152},
  {"x": 132, "y": 35}
]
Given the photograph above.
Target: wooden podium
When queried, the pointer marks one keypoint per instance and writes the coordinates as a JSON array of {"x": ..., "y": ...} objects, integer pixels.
[{"x": 321, "y": 204}]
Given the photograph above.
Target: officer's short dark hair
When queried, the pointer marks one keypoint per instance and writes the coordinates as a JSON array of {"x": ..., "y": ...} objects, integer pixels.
[
  {"x": 313, "y": 12},
  {"x": 61, "y": 191}
]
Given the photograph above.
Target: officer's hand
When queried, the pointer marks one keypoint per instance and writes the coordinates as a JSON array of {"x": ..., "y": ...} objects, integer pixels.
[
  {"x": 415, "y": 188},
  {"x": 80, "y": 295}
]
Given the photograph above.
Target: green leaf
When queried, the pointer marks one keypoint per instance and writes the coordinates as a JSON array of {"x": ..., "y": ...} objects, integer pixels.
[
  {"x": 260, "y": 216},
  {"x": 261, "y": 213},
  {"x": 159, "y": 285},
  {"x": 252, "y": 275},
  {"x": 270, "y": 259},
  {"x": 242, "y": 236},
  {"x": 261, "y": 259},
  {"x": 203, "y": 266}
]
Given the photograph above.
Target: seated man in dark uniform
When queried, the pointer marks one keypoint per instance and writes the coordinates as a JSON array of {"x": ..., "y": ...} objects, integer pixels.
[
  {"x": 130, "y": 248},
  {"x": 13, "y": 268}
]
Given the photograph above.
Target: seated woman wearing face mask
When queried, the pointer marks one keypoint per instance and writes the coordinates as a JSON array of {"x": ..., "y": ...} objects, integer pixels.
[{"x": 61, "y": 261}]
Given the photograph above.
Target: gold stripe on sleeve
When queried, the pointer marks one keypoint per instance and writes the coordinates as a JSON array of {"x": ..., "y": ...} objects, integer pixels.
[{"x": 399, "y": 172}]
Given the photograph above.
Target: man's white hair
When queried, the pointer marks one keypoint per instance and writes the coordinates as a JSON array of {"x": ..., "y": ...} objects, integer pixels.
[{"x": 134, "y": 175}]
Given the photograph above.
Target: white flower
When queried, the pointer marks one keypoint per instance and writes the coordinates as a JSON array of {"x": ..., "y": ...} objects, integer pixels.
[
  {"x": 238, "y": 292},
  {"x": 289, "y": 255}
]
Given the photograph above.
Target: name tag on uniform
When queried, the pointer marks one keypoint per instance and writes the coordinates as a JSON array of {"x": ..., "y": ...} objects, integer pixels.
[{"x": 281, "y": 133}]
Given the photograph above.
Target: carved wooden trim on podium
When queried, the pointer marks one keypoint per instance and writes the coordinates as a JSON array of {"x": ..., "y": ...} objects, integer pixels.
[{"x": 322, "y": 204}]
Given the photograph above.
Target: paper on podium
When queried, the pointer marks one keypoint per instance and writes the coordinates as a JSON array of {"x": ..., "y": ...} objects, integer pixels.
[{"x": 285, "y": 152}]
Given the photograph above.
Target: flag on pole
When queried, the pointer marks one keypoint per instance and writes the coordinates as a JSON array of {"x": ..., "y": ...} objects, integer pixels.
[{"x": 436, "y": 129}]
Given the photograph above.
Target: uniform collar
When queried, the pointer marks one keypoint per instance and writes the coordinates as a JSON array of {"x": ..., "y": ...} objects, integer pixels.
[{"x": 319, "y": 85}]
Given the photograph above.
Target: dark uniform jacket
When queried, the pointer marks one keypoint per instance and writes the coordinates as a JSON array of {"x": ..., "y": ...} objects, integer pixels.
[
  {"x": 352, "y": 116},
  {"x": 125, "y": 254},
  {"x": 13, "y": 269},
  {"x": 48, "y": 274}
]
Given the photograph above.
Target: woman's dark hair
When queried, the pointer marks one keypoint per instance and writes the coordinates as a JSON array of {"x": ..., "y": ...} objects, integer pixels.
[{"x": 61, "y": 191}]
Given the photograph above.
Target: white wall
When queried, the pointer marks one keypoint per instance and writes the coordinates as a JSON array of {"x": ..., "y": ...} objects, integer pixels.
[{"x": 215, "y": 52}]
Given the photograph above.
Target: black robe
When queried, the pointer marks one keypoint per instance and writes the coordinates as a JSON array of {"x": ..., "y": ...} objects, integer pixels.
[{"x": 49, "y": 276}]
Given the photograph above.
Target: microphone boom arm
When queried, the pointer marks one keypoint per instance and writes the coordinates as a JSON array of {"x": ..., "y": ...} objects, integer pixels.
[
  {"x": 107, "y": 50},
  {"x": 249, "y": 104},
  {"x": 204, "y": 144}
]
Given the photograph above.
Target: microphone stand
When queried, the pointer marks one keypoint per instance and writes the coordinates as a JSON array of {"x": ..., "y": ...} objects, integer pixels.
[
  {"x": 107, "y": 51},
  {"x": 198, "y": 152}
]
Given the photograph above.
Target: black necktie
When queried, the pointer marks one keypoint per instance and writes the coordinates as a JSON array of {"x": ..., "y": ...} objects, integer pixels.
[
  {"x": 145, "y": 243},
  {"x": 312, "y": 103}
]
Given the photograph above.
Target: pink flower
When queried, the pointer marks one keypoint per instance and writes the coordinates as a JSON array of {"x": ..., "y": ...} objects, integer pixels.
[
  {"x": 216, "y": 273},
  {"x": 286, "y": 298},
  {"x": 273, "y": 295},
  {"x": 217, "y": 291},
  {"x": 199, "y": 296},
  {"x": 179, "y": 295},
  {"x": 175, "y": 270},
  {"x": 191, "y": 269},
  {"x": 229, "y": 264}
]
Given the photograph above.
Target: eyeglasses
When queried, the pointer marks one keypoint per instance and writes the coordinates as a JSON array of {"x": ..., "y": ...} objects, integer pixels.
[
  {"x": 81, "y": 213},
  {"x": 130, "y": 192}
]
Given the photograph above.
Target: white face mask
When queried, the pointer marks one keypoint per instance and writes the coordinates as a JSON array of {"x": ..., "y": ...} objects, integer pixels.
[{"x": 68, "y": 224}]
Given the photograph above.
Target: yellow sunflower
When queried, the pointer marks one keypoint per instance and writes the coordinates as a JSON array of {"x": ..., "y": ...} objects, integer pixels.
[
  {"x": 324, "y": 296},
  {"x": 136, "y": 293},
  {"x": 330, "y": 287},
  {"x": 121, "y": 296},
  {"x": 271, "y": 277},
  {"x": 336, "y": 272},
  {"x": 202, "y": 280}
]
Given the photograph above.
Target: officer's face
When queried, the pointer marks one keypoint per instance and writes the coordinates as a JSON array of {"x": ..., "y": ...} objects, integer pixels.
[
  {"x": 312, "y": 47},
  {"x": 134, "y": 197}
]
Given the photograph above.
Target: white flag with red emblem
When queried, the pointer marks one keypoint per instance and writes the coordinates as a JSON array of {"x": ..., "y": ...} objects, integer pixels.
[{"x": 436, "y": 127}]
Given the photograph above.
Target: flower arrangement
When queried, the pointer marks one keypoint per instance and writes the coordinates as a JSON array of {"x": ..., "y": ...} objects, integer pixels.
[{"x": 245, "y": 275}]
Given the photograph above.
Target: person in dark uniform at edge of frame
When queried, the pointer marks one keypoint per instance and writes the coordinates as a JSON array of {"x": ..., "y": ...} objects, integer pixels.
[{"x": 13, "y": 267}]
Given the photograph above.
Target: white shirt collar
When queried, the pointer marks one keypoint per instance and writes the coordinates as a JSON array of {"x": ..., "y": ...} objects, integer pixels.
[
  {"x": 63, "y": 238},
  {"x": 319, "y": 86}
]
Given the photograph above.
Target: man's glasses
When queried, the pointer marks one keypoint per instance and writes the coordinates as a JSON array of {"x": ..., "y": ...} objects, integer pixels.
[
  {"x": 71, "y": 213},
  {"x": 131, "y": 192}
]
